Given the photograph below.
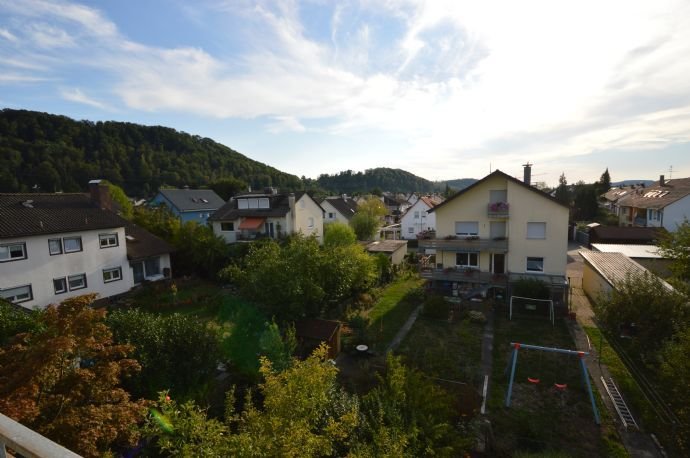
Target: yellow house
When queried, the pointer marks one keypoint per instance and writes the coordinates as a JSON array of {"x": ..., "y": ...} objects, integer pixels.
[{"x": 495, "y": 232}]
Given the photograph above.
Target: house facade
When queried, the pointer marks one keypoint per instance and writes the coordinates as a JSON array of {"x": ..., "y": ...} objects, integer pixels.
[
  {"x": 341, "y": 209},
  {"x": 56, "y": 246},
  {"x": 665, "y": 203},
  {"x": 256, "y": 215},
  {"x": 417, "y": 218},
  {"x": 189, "y": 204},
  {"x": 495, "y": 232}
]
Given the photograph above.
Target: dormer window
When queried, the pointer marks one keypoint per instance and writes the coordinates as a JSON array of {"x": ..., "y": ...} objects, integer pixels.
[{"x": 253, "y": 203}]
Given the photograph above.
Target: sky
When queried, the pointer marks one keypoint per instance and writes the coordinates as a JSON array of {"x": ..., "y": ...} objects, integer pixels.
[{"x": 442, "y": 89}]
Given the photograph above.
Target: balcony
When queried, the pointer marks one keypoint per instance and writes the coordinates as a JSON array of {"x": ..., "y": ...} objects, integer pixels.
[
  {"x": 466, "y": 244},
  {"x": 27, "y": 442},
  {"x": 463, "y": 275},
  {"x": 498, "y": 210}
]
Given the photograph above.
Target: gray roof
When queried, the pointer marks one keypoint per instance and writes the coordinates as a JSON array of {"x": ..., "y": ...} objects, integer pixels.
[
  {"x": 655, "y": 196},
  {"x": 346, "y": 207},
  {"x": 36, "y": 214},
  {"x": 631, "y": 251},
  {"x": 193, "y": 199},
  {"x": 386, "y": 246},
  {"x": 142, "y": 244},
  {"x": 615, "y": 267},
  {"x": 278, "y": 203}
]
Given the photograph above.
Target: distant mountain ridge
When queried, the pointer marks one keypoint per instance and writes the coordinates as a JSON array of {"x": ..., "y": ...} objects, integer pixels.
[
  {"x": 461, "y": 183},
  {"x": 382, "y": 178},
  {"x": 630, "y": 182}
]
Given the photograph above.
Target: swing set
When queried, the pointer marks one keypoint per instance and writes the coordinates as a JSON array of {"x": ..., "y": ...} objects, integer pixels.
[{"x": 516, "y": 346}]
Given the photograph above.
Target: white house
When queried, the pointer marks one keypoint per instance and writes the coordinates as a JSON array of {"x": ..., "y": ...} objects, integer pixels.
[
  {"x": 665, "y": 203},
  {"x": 417, "y": 219},
  {"x": 341, "y": 208},
  {"x": 268, "y": 214},
  {"x": 56, "y": 246}
]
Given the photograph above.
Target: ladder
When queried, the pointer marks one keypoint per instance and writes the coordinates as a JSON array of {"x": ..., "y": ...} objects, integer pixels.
[{"x": 618, "y": 402}]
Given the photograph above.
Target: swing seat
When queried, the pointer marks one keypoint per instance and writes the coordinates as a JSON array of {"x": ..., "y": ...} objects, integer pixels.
[
  {"x": 560, "y": 386},
  {"x": 533, "y": 380}
]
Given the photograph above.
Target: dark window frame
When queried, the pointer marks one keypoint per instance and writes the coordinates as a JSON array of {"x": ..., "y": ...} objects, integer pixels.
[
  {"x": 102, "y": 237},
  {"x": 83, "y": 275},
  {"x": 25, "y": 254},
  {"x": 64, "y": 246},
  {"x": 64, "y": 282}
]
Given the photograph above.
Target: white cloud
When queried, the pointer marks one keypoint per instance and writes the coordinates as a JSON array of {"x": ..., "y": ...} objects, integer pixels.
[
  {"x": 7, "y": 35},
  {"x": 286, "y": 124},
  {"x": 47, "y": 36},
  {"x": 76, "y": 95}
]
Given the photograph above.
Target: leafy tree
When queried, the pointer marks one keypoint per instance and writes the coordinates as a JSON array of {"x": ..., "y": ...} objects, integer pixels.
[
  {"x": 125, "y": 207},
  {"x": 63, "y": 380},
  {"x": 304, "y": 413},
  {"x": 562, "y": 191},
  {"x": 604, "y": 183},
  {"x": 408, "y": 415},
  {"x": 674, "y": 246},
  {"x": 585, "y": 202},
  {"x": 16, "y": 320},
  {"x": 338, "y": 234},
  {"x": 276, "y": 348},
  {"x": 228, "y": 187},
  {"x": 367, "y": 219},
  {"x": 176, "y": 352},
  {"x": 657, "y": 311}
]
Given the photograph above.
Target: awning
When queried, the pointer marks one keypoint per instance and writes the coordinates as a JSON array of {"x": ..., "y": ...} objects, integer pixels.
[{"x": 252, "y": 224}]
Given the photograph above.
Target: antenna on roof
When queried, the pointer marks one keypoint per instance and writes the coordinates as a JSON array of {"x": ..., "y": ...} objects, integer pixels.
[{"x": 670, "y": 172}]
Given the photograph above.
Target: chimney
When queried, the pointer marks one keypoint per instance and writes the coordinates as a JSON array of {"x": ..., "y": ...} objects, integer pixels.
[
  {"x": 527, "y": 174},
  {"x": 345, "y": 197},
  {"x": 661, "y": 181},
  {"x": 100, "y": 194}
]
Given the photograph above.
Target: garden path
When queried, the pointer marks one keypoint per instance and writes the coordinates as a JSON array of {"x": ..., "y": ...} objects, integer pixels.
[{"x": 405, "y": 329}]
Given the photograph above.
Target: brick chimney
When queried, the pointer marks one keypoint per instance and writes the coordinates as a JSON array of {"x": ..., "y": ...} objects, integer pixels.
[
  {"x": 100, "y": 194},
  {"x": 662, "y": 182},
  {"x": 527, "y": 174}
]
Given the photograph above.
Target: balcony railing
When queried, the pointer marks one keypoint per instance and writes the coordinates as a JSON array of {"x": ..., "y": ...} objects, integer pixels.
[
  {"x": 466, "y": 244},
  {"x": 463, "y": 275},
  {"x": 28, "y": 442},
  {"x": 498, "y": 210}
]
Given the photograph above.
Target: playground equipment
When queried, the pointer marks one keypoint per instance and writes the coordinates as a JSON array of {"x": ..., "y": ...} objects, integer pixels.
[{"x": 561, "y": 387}]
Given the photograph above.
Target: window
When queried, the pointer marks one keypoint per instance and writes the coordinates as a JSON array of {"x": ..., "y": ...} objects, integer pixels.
[
  {"x": 535, "y": 264},
  {"x": 499, "y": 195},
  {"x": 72, "y": 244},
  {"x": 653, "y": 215},
  {"x": 60, "y": 285},
  {"x": 242, "y": 204},
  {"x": 410, "y": 230},
  {"x": 17, "y": 294},
  {"x": 302, "y": 204},
  {"x": 310, "y": 222},
  {"x": 416, "y": 215},
  {"x": 536, "y": 230},
  {"x": 263, "y": 203},
  {"x": 467, "y": 228},
  {"x": 467, "y": 260},
  {"x": 76, "y": 281},
  {"x": 152, "y": 267},
  {"x": 331, "y": 215},
  {"x": 55, "y": 246},
  {"x": 107, "y": 240},
  {"x": 112, "y": 274},
  {"x": 12, "y": 252},
  {"x": 253, "y": 202},
  {"x": 227, "y": 227}
]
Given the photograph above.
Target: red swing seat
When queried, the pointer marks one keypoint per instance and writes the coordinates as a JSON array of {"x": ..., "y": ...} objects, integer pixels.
[
  {"x": 560, "y": 386},
  {"x": 533, "y": 380}
]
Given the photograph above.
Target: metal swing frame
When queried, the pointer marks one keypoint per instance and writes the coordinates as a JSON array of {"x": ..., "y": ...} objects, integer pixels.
[{"x": 581, "y": 356}]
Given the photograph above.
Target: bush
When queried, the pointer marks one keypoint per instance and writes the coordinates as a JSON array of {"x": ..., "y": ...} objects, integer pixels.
[
  {"x": 476, "y": 317},
  {"x": 436, "y": 307},
  {"x": 532, "y": 288},
  {"x": 15, "y": 320}
]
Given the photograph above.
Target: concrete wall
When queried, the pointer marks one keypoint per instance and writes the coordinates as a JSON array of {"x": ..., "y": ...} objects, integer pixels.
[
  {"x": 676, "y": 213},
  {"x": 593, "y": 284},
  {"x": 40, "y": 268}
]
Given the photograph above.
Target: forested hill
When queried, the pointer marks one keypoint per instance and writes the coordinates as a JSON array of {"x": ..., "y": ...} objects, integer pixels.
[
  {"x": 461, "y": 183},
  {"x": 385, "y": 179},
  {"x": 40, "y": 151}
]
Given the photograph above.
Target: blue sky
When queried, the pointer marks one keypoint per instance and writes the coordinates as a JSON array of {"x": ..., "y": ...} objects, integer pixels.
[{"x": 444, "y": 89}]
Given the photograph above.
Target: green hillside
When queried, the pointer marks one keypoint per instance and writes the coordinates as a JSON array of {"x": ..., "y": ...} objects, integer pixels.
[
  {"x": 385, "y": 179},
  {"x": 40, "y": 151}
]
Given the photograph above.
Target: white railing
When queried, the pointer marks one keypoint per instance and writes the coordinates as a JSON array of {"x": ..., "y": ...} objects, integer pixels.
[{"x": 28, "y": 442}]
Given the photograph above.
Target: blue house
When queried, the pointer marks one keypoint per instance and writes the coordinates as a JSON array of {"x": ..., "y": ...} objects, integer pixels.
[{"x": 189, "y": 204}]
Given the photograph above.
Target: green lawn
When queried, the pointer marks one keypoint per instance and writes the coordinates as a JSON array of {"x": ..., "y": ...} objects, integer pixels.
[
  {"x": 445, "y": 350},
  {"x": 390, "y": 311},
  {"x": 542, "y": 419}
]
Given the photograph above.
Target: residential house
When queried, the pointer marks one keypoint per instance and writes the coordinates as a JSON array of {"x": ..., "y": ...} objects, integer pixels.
[
  {"x": 495, "y": 232},
  {"x": 268, "y": 214},
  {"x": 395, "y": 207},
  {"x": 648, "y": 256},
  {"x": 417, "y": 218},
  {"x": 56, "y": 246},
  {"x": 340, "y": 208},
  {"x": 189, "y": 204},
  {"x": 665, "y": 203}
]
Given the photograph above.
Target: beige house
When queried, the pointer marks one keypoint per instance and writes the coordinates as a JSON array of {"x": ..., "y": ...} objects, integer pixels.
[
  {"x": 394, "y": 249},
  {"x": 493, "y": 233},
  {"x": 257, "y": 215},
  {"x": 340, "y": 208}
]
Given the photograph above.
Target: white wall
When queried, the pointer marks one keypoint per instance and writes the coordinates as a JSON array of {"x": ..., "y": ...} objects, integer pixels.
[
  {"x": 337, "y": 215},
  {"x": 306, "y": 208},
  {"x": 424, "y": 222},
  {"x": 228, "y": 236},
  {"x": 40, "y": 268},
  {"x": 676, "y": 213}
]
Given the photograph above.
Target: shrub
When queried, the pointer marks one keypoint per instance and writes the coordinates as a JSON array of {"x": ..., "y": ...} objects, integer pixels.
[
  {"x": 477, "y": 317},
  {"x": 531, "y": 287},
  {"x": 436, "y": 307}
]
